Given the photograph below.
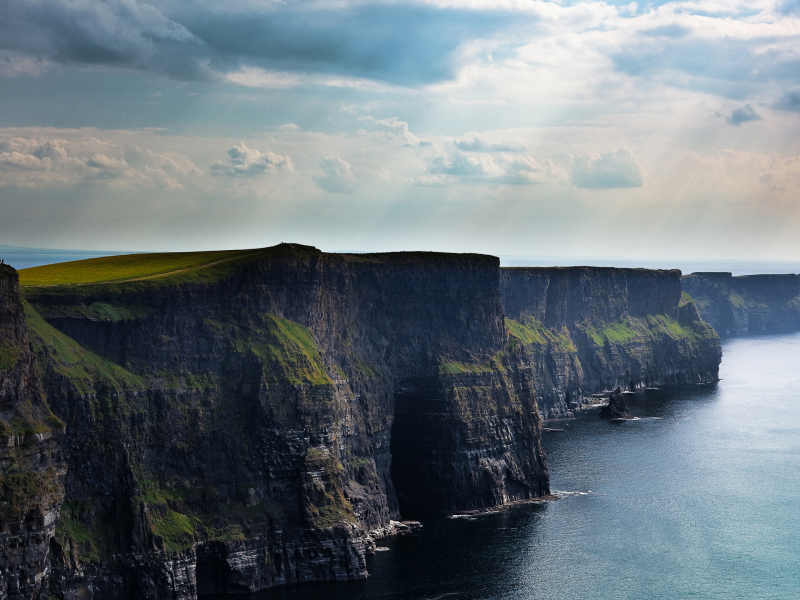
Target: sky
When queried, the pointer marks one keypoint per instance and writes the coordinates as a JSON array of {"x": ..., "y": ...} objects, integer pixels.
[{"x": 643, "y": 131}]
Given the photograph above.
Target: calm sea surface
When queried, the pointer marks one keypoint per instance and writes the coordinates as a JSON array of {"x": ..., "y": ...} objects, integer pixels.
[{"x": 700, "y": 498}]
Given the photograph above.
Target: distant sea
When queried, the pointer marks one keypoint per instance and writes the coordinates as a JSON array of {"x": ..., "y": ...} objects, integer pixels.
[
  {"x": 699, "y": 498},
  {"x": 24, "y": 258}
]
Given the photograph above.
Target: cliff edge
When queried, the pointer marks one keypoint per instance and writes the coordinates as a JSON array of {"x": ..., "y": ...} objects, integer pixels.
[
  {"x": 590, "y": 329},
  {"x": 746, "y": 304},
  {"x": 238, "y": 421}
]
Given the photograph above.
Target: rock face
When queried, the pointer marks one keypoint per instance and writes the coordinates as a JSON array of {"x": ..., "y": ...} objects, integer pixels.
[
  {"x": 590, "y": 329},
  {"x": 746, "y": 304},
  {"x": 615, "y": 410},
  {"x": 263, "y": 420},
  {"x": 31, "y": 466},
  {"x": 265, "y": 417}
]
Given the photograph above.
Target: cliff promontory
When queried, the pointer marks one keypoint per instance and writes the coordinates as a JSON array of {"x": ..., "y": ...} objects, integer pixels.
[
  {"x": 31, "y": 464},
  {"x": 185, "y": 424},
  {"x": 591, "y": 329},
  {"x": 746, "y": 304},
  {"x": 242, "y": 420}
]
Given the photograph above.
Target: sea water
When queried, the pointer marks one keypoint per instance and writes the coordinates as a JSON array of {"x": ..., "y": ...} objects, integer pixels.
[{"x": 699, "y": 498}]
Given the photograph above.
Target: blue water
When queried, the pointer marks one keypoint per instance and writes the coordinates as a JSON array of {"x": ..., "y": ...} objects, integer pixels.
[
  {"x": 700, "y": 498},
  {"x": 25, "y": 258}
]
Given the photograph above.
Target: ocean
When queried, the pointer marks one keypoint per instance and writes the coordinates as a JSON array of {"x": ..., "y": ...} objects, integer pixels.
[{"x": 699, "y": 498}]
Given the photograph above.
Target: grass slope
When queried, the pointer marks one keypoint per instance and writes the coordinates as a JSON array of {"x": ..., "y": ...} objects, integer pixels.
[{"x": 173, "y": 266}]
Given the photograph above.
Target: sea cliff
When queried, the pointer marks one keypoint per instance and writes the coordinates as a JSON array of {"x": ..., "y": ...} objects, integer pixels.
[
  {"x": 32, "y": 467},
  {"x": 746, "y": 304},
  {"x": 264, "y": 418},
  {"x": 590, "y": 329},
  {"x": 227, "y": 422}
]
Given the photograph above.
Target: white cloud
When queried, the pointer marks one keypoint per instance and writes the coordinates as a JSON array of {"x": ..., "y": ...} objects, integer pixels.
[
  {"x": 246, "y": 162},
  {"x": 48, "y": 162},
  {"x": 392, "y": 127},
  {"x": 477, "y": 144},
  {"x": 607, "y": 170},
  {"x": 258, "y": 77},
  {"x": 336, "y": 176},
  {"x": 451, "y": 166}
]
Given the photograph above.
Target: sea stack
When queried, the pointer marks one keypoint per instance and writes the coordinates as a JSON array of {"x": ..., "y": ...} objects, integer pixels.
[{"x": 615, "y": 410}]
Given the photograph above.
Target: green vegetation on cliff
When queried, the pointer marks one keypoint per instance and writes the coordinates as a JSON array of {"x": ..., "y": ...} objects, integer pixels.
[
  {"x": 160, "y": 268},
  {"x": 530, "y": 331},
  {"x": 286, "y": 348},
  {"x": 85, "y": 370},
  {"x": 625, "y": 332}
]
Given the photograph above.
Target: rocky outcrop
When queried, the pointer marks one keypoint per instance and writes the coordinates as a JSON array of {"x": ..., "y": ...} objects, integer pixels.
[
  {"x": 746, "y": 304},
  {"x": 263, "y": 420},
  {"x": 31, "y": 465},
  {"x": 615, "y": 410},
  {"x": 591, "y": 329}
]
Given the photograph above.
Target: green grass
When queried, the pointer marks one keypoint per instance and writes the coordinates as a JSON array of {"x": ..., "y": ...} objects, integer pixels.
[
  {"x": 159, "y": 268},
  {"x": 287, "y": 347},
  {"x": 530, "y": 331},
  {"x": 621, "y": 332},
  {"x": 85, "y": 369},
  {"x": 459, "y": 368},
  {"x": 9, "y": 356},
  {"x": 121, "y": 268}
]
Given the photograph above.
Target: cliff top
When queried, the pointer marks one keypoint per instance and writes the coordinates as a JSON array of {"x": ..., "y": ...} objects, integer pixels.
[
  {"x": 168, "y": 268},
  {"x": 579, "y": 268},
  {"x": 172, "y": 266}
]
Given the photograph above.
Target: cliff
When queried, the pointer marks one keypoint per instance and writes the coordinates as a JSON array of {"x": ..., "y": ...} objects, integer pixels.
[
  {"x": 242, "y": 420},
  {"x": 591, "y": 329},
  {"x": 31, "y": 465},
  {"x": 746, "y": 304}
]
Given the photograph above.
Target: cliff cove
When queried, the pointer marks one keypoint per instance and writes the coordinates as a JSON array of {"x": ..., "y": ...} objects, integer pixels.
[{"x": 230, "y": 422}]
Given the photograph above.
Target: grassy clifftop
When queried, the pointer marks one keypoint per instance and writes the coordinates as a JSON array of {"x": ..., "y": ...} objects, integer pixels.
[{"x": 162, "y": 268}]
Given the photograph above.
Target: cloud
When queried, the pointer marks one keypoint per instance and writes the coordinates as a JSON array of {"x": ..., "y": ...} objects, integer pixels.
[
  {"x": 336, "y": 176},
  {"x": 393, "y": 127},
  {"x": 13, "y": 64},
  {"x": 246, "y": 162},
  {"x": 352, "y": 40},
  {"x": 454, "y": 166},
  {"x": 789, "y": 101},
  {"x": 607, "y": 170},
  {"x": 743, "y": 114},
  {"x": 47, "y": 162},
  {"x": 476, "y": 144},
  {"x": 115, "y": 32}
]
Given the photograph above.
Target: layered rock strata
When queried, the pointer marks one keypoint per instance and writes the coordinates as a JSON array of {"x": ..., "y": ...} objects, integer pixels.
[
  {"x": 746, "y": 304},
  {"x": 263, "y": 420},
  {"x": 591, "y": 329},
  {"x": 31, "y": 465}
]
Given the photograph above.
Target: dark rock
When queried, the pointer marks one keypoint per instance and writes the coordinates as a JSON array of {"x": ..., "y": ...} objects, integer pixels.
[
  {"x": 31, "y": 463},
  {"x": 588, "y": 329},
  {"x": 746, "y": 304},
  {"x": 266, "y": 426},
  {"x": 615, "y": 409}
]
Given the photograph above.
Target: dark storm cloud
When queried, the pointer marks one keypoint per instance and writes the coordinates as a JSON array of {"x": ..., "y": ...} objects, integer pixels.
[
  {"x": 407, "y": 45},
  {"x": 116, "y": 32}
]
